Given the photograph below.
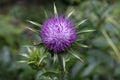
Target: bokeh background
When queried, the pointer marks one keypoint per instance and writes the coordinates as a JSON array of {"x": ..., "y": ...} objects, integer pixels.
[{"x": 101, "y": 57}]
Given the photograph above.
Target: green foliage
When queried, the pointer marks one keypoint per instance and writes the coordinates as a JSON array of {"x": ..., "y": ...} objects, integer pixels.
[
  {"x": 36, "y": 57},
  {"x": 10, "y": 41},
  {"x": 103, "y": 54},
  {"x": 9, "y": 28}
]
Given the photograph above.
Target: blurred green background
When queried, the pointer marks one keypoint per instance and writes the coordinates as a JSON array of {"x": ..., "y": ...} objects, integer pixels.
[{"x": 101, "y": 58}]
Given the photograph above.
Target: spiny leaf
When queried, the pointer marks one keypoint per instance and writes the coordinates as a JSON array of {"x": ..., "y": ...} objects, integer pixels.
[
  {"x": 34, "y": 23},
  {"x": 22, "y": 61},
  {"x": 113, "y": 21},
  {"x": 42, "y": 58},
  {"x": 32, "y": 29},
  {"x": 67, "y": 60},
  {"x": 79, "y": 39},
  {"x": 115, "y": 49},
  {"x": 75, "y": 55},
  {"x": 85, "y": 31},
  {"x": 25, "y": 55},
  {"x": 85, "y": 46},
  {"x": 45, "y": 50},
  {"x": 48, "y": 73},
  {"x": 29, "y": 50},
  {"x": 31, "y": 62},
  {"x": 39, "y": 44},
  {"x": 70, "y": 14},
  {"x": 46, "y": 15},
  {"x": 81, "y": 22},
  {"x": 106, "y": 11},
  {"x": 55, "y": 10},
  {"x": 28, "y": 46},
  {"x": 55, "y": 58},
  {"x": 63, "y": 61}
]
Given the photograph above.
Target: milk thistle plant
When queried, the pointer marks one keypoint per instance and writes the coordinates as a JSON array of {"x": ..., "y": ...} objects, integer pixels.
[{"x": 59, "y": 37}]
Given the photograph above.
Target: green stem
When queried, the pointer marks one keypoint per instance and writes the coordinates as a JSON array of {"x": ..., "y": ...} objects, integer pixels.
[{"x": 61, "y": 66}]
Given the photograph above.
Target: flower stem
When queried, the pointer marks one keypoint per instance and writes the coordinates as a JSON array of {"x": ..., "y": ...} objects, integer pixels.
[{"x": 61, "y": 67}]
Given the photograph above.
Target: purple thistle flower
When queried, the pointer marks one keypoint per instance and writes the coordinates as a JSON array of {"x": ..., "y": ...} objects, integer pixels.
[{"x": 58, "y": 33}]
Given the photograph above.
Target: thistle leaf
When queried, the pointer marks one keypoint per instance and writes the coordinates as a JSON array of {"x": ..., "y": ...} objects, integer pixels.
[
  {"x": 55, "y": 10},
  {"x": 106, "y": 11},
  {"x": 112, "y": 45},
  {"x": 81, "y": 22},
  {"x": 34, "y": 23}
]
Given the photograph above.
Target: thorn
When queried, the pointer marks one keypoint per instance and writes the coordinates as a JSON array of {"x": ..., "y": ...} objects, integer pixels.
[
  {"x": 55, "y": 10},
  {"x": 34, "y": 23},
  {"x": 70, "y": 13},
  {"x": 46, "y": 15},
  {"x": 85, "y": 31},
  {"x": 81, "y": 22}
]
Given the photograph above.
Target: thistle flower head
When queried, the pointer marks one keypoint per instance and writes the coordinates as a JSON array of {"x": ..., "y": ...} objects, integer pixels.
[{"x": 58, "y": 33}]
